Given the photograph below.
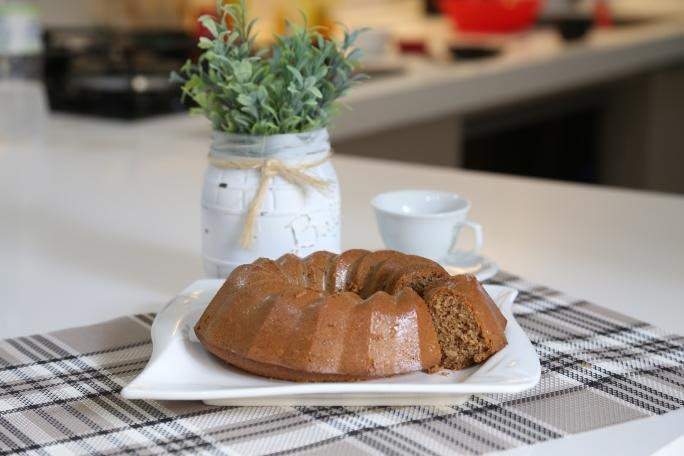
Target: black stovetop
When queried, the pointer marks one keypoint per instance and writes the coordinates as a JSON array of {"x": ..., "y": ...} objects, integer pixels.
[{"x": 115, "y": 73}]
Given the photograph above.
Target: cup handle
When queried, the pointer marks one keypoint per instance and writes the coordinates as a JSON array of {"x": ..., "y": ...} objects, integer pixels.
[{"x": 479, "y": 238}]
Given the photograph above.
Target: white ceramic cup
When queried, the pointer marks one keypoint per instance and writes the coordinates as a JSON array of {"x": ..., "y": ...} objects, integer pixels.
[{"x": 425, "y": 223}]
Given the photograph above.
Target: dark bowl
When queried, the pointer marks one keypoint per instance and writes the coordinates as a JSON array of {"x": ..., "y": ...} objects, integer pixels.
[
  {"x": 468, "y": 52},
  {"x": 574, "y": 28}
]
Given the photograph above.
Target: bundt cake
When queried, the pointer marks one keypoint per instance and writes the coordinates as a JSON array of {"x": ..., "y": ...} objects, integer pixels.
[{"x": 354, "y": 316}]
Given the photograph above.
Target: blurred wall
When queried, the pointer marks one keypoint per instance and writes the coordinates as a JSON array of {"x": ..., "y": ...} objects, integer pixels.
[
  {"x": 171, "y": 13},
  {"x": 125, "y": 13}
]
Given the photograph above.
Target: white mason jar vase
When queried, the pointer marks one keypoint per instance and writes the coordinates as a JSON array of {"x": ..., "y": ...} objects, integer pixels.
[{"x": 291, "y": 218}]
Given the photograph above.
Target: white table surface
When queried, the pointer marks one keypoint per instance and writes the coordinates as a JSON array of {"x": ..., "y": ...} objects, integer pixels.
[{"x": 102, "y": 220}]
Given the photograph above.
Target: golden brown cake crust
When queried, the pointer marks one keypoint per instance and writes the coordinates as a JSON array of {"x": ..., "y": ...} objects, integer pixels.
[
  {"x": 362, "y": 270},
  {"x": 274, "y": 371},
  {"x": 340, "y": 269},
  {"x": 418, "y": 273},
  {"x": 303, "y": 319},
  {"x": 317, "y": 265}
]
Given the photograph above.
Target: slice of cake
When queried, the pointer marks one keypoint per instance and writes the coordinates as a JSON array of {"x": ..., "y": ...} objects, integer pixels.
[{"x": 470, "y": 328}]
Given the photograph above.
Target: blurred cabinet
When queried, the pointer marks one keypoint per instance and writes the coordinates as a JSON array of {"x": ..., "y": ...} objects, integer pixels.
[
  {"x": 629, "y": 133},
  {"x": 643, "y": 132},
  {"x": 436, "y": 142},
  {"x": 556, "y": 138}
]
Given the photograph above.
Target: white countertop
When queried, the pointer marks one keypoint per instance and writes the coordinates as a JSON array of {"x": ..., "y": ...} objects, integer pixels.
[
  {"x": 533, "y": 64},
  {"x": 103, "y": 220}
]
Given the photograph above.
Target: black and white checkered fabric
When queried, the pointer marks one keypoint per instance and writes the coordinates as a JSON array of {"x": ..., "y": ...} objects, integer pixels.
[{"x": 59, "y": 394}]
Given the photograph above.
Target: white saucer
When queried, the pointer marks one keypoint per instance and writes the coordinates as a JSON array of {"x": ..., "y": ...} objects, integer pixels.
[
  {"x": 180, "y": 368},
  {"x": 457, "y": 263}
]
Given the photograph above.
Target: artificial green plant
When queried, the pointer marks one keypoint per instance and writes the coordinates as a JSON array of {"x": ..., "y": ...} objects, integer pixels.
[{"x": 292, "y": 86}]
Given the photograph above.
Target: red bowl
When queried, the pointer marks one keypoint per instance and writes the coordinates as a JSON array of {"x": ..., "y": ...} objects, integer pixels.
[{"x": 491, "y": 16}]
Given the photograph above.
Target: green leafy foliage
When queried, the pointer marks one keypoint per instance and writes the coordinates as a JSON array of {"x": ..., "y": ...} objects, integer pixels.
[{"x": 290, "y": 87}]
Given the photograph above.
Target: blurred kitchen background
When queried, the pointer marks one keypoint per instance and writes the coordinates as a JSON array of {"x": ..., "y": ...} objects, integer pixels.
[{"x": 577, "y": 90}]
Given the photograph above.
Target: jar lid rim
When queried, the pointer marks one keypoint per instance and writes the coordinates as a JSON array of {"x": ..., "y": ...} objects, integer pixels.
[
  {"x": 290, "y": 144},
  {"x": 222, "y": 134}
]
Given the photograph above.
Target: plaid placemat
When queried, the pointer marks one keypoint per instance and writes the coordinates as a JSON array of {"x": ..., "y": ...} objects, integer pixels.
[{"x": 59, "y": 393}]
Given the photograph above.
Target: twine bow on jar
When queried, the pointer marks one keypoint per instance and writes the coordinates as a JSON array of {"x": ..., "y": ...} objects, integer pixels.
[{"x": 270, "y": 168}]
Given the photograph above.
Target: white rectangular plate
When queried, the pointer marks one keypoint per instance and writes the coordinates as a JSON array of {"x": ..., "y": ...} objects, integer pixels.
[{"x": 180, "y": 368}]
